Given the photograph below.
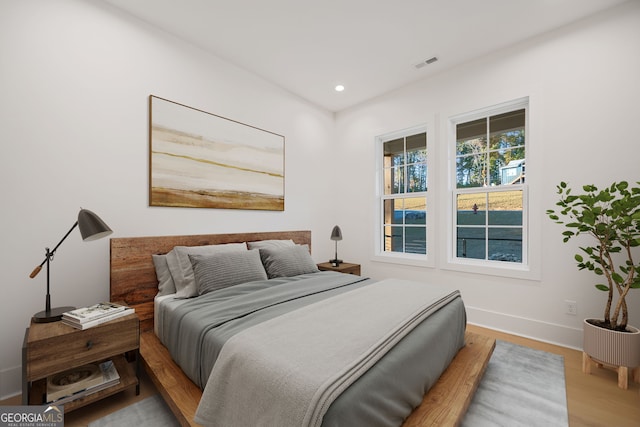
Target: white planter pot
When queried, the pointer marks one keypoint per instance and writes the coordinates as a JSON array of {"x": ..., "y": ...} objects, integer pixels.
[{"x": 612, "y": 347}]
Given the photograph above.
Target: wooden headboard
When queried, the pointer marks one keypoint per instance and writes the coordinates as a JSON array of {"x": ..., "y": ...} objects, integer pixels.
[{"x": 133, "y": 276}]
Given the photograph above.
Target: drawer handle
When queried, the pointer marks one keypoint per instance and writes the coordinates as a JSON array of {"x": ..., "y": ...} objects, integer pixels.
[{"x": 89, "y": 344}]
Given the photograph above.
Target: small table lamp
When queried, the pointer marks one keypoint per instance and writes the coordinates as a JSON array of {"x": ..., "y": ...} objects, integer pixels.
[
  {"x": 91, "y": 228},
  {"x": 336, "y": 234}
]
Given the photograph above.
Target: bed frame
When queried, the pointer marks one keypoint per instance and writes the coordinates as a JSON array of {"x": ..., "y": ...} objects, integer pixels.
[{"x": 133, "y": 281}]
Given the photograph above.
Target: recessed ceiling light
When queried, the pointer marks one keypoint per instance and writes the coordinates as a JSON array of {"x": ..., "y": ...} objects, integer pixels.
[{"x": 339, "y": 88}]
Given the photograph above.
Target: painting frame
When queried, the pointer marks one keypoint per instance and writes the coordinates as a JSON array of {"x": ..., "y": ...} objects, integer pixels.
[{"x": 199, "y": 159}]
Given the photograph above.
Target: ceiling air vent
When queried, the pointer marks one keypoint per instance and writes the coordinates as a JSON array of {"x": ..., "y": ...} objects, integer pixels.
[{"x": 426, "y": 62}]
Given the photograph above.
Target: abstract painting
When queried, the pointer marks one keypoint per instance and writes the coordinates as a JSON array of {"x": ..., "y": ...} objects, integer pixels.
[{"x": 201, "y": 160}]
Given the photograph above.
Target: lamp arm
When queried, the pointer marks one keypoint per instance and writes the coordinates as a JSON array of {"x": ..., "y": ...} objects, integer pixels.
[{"x": 36, "y": 270}]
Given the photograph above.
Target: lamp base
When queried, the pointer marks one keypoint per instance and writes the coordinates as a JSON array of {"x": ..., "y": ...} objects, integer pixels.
[
  {"x": 48, "y": 316},
  {"x": 336, "y": 262}
]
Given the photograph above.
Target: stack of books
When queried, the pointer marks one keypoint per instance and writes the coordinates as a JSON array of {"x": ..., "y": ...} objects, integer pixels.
[
  {"x": 87, "y": 317},
  {"x": 82, "y": 381}
]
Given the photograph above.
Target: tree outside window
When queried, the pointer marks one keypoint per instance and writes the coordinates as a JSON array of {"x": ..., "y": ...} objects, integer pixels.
[
  {"x": 404, "y": 199},
  {"x": 490, "y": 187}
]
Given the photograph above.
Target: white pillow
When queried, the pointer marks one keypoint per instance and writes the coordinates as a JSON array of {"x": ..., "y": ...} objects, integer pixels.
[
  {"x": 182, "y": 271},
  {"x": 165, "y": 281}
]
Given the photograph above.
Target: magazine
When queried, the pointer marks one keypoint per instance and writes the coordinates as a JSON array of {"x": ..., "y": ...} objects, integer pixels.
[
  {"x": 98, "y": 321},
  {"x": 96, "y": 311}
]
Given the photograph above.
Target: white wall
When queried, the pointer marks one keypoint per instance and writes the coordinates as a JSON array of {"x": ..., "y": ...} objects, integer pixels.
[
  {"x": 74, "y": 87},
  {"x": 584, "y": 91}
]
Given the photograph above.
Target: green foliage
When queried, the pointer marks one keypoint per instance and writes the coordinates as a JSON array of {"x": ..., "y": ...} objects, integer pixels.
[{"x": 612, "y": 217}]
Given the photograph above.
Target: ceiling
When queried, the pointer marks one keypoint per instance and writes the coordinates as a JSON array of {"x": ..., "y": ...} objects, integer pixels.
[{"x": 369, "y": 46}]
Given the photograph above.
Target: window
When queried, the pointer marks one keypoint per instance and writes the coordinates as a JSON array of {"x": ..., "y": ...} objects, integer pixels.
[
  {"x": 490, "y": 193},
  {"x": 403, "y": 193}
]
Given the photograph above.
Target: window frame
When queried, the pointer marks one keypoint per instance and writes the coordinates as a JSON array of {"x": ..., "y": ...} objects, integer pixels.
[
  {"x": 524, "y": 269},
  {"x": 407, "y": 258}
]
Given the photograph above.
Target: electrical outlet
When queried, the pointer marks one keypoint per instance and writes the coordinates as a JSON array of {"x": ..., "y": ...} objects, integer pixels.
[{"x": 571, "y": 307}]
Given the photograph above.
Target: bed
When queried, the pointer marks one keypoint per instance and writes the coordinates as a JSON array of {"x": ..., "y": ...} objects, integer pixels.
[{"x": 134, "y": 281}]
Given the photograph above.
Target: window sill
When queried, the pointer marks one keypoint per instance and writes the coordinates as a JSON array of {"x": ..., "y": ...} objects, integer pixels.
[
  {"x": 403, "y": 259},
  {"x": 494, "y": 268}
]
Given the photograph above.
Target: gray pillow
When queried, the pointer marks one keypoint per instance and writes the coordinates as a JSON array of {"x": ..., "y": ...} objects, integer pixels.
[
  {"x": 165, "y": 281},
  {"x": 182, "y": 271},
  {"x": 270, "y": 244},
  {"x": 218, "y": 271},
  {"x": 288, "y": 261}
]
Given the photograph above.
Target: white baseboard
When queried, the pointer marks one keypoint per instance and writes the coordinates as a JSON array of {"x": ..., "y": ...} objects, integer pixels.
[
  {"x": 10, "y": 382},
  {"x": 551, "y": 333}
]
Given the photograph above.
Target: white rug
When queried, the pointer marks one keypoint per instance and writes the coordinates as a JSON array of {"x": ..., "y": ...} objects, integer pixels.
[{"x": 521, "y": 387}]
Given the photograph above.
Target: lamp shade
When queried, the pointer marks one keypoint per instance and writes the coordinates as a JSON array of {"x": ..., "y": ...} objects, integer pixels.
[
  {"x": 336, "y": 233},
  {"x": 91, "y": 226}
]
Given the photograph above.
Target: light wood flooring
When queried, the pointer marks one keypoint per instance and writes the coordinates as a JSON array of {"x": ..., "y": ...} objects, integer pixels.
[{"x": 593, "y": 400}]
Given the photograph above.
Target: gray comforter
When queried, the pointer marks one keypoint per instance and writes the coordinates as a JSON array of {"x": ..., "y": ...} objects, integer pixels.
[{"x": 199, "y": 328}]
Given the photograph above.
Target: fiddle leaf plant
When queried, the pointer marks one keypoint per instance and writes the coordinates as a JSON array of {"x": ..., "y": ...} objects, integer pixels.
[{"x": 611, "y": 216}]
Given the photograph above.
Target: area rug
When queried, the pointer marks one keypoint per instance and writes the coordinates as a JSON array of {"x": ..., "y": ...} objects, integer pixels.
[
  {"x": 521, "y": 387},
  {"x": 149, "y": 412}
]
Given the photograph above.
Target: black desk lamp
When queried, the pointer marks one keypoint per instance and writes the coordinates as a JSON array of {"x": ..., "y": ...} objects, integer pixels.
[
  {"x": 336, "y": 234},
  {"x": 91, "y": 228}
]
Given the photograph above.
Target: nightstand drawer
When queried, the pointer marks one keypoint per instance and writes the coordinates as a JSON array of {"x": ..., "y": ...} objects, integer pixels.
[{"x": 64, "y": 347}]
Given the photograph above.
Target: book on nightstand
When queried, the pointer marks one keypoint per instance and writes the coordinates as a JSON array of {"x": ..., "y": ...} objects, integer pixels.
[
  {"x": 86, "y": 314},
  {"x": 82, "y": 381},
  {"x": 87, "y": 317}
]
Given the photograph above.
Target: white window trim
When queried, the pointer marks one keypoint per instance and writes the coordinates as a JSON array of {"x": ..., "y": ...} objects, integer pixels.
[
  {"x": 529, "y": 268},
  {"x": 401, "y": 257}
]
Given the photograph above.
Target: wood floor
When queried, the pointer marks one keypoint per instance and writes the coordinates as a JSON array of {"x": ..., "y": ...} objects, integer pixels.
[{"x": 593, "y": 400}]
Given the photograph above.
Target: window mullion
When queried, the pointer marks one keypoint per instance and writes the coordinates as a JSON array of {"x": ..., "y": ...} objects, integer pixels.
[
  {"x": 487, "y": 159},
  {"x": 486, "y": 227}
]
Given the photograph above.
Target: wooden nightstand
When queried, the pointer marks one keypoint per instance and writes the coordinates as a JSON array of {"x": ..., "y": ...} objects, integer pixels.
[
  {"x": 54, "y": 347},
  {"x": 343, "y": 267}
]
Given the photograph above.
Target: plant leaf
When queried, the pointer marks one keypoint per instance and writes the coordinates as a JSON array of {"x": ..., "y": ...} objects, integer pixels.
[{"x": 617, "y": 278}]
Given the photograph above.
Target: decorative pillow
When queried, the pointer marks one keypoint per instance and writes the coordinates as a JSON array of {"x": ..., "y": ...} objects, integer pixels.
[
  {"x": 182, "y": 271},
  {"x": 165, "y": 281},
  {"x": 270, "y": 244},
  {"x": 287, "y": 262},
  {"x": 218, "y": 271}
]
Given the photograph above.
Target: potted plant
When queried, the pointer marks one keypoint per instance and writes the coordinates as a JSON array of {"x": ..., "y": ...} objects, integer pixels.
[{"x": 611, "y": 217}]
